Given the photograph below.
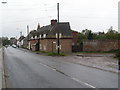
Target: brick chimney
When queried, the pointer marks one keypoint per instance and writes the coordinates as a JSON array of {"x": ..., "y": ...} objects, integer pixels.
[
  {"x": 38, "y": 26},
  {"x": 53, "y": 22}
]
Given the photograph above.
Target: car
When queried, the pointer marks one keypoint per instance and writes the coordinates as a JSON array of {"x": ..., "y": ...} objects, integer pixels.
[
  {"x": 6, "y": 46},
  {"x": 14, "y": 46}
]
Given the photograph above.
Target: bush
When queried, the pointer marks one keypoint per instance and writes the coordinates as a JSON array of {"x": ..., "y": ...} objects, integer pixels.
[
  {"x": 56, "y": 54},
  {"x": 118, "y": 54}
]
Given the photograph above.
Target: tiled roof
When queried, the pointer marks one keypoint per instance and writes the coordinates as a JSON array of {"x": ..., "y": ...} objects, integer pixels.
[
  {"x": 63, "y": 28},
  {"x": 51, "y": 30},
  {"x": 21, "y": 38}
]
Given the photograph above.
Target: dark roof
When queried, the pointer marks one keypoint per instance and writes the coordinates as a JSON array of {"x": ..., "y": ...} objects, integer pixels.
[
  {"x": 63, "y": 28},
  {"x": 21, "y": 38},
  {"x": 33, "y": 33},
  {"x": 51, "y": 30},
  {"x": 45, "y": 28}
]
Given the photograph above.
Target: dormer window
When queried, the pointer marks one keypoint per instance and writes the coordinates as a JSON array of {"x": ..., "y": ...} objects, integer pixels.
[
  {"x": 60, "y": 35},
  {"x": 31, "y": 37},
  {"x": 40, "y": 36},
  {"x": 35, "y": 37},
  {"x": 44, "y": 36}
]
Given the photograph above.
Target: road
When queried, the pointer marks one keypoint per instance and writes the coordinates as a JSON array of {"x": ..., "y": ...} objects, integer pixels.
[{"x": 29, "y": 70}]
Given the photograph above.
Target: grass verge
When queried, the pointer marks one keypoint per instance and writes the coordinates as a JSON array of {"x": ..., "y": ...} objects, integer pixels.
[
  {"x": 0, "y": 46},
  {"x": 56, "y": 54}
]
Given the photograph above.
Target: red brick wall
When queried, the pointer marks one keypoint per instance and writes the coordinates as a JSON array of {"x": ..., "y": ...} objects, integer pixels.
[
  {"x": 31, "y": 43},
  {"x": 75, "y": 37},
  {"x": 98, "y": 45}
]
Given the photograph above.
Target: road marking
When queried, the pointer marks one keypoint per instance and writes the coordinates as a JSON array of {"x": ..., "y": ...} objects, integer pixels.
[{"x": 73, "y": 78}]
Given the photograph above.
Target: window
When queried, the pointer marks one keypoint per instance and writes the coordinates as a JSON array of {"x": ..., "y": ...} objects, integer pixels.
[
  {"x": 35, "y": 37},
  {"x": 44, "y": 36},
  {"x": 40, "y": 36}
]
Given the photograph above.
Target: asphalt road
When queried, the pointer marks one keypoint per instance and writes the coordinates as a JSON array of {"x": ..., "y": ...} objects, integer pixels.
[{"x": 28, "y": 70}]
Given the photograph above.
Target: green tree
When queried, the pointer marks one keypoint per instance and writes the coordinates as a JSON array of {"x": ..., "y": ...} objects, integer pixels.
[
  {"x": 111, "y": 34},
  {"x": 81, "y": 37},
  {"x": 5, "y": 41}
]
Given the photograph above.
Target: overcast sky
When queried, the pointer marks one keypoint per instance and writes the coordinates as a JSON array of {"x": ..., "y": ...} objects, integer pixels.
[{"x": 96, "y": 15}]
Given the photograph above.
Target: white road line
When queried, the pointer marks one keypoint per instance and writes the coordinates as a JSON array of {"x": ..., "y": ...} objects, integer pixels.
[{"x": 73, "y": 78}]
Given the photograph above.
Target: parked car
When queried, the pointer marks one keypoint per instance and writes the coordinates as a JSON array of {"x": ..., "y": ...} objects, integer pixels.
[
  {"x": 6, "y": 46},
  {"x": 14, "y": 46}
]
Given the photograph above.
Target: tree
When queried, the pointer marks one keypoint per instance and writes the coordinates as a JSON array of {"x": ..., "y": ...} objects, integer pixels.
[
  {"x": 88, "y": 34},
  {"x": 5, "y": 41},
  {"x": 111, "y": 34},
  {"x": 81, "y": 37}
]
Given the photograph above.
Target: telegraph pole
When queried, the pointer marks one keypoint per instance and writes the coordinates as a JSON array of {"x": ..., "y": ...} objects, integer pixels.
[
  {"x": 20, "y": 33},
  {"x": 58, "y": 11},
  {"x": 27, "y": 29},
  {"x": 28, "y": 36},
  {"x": 58, "y": 39}
]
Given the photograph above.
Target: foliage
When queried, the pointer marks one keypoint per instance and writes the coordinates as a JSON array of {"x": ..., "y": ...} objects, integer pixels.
[
  {"x": 56, "y": 54},
  {"x": 5, "y": 41},
  {"x": 0, "y": 46},
  {"x": 89, "y": 35},
  {"x": 118, "y": 54}
]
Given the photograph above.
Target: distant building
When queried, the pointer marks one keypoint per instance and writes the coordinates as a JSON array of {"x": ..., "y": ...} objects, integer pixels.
[
  {"x": 20, "y": 41},
  {"x": 13, "y": 40}
]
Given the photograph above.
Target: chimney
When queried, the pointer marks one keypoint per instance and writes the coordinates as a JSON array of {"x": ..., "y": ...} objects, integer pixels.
[
  {"x": 53, "y": 22},
  {"x": 38, "y": 26}
]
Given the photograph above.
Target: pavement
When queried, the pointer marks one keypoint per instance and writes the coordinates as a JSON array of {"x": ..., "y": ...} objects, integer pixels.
[
  {"x": 1, "y": 68},
  {"x": 103, "y": 61}
]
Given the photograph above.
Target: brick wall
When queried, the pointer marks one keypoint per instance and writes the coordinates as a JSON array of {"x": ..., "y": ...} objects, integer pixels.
[
  {"x": 99, "y": 45},
  {"x": 47, "y": 45},
  {"x": 31, "y": 44},
  {"x": 75, "y": 37}
]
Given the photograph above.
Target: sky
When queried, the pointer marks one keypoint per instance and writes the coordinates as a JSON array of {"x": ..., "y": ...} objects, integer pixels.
[{"x": 95, "y": 15}]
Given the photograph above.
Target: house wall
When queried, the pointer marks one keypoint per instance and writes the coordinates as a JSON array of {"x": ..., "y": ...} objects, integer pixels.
[
  {"x": 75, "y": 37},
  {"x": 31, "y": 42},
  {"x": 48, "y": 45},
  {"x": 100, "y": 45}
]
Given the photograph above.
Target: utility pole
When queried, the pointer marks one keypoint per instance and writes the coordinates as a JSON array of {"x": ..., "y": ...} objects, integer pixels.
[
  {"x": 27, "y": 29},
  {"x": 20, "y": 33},
  {"x": 28, "y": 36},
  {"x": 58, "y": 11},
  {"x": 58, "y": 39}
]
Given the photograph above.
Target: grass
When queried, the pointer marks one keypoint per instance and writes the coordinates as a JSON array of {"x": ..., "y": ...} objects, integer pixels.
[
  {"x": 0, "y": 46},
  {"x": 56, "y": 54},
  {"x": 50, "y": 53}
]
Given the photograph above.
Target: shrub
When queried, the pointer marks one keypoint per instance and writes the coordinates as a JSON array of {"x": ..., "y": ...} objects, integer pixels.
[
  {"x": 56, "y": 54},
  {"x": 118, "y": 54}
]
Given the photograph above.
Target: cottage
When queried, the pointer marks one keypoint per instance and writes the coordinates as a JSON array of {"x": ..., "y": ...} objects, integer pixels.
[
  {"x": 34, "y": 40},
  {"x": 46, "y": 37},
  {"x": 20, "y": 41},
  {"x": 13, "y": 40}
]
